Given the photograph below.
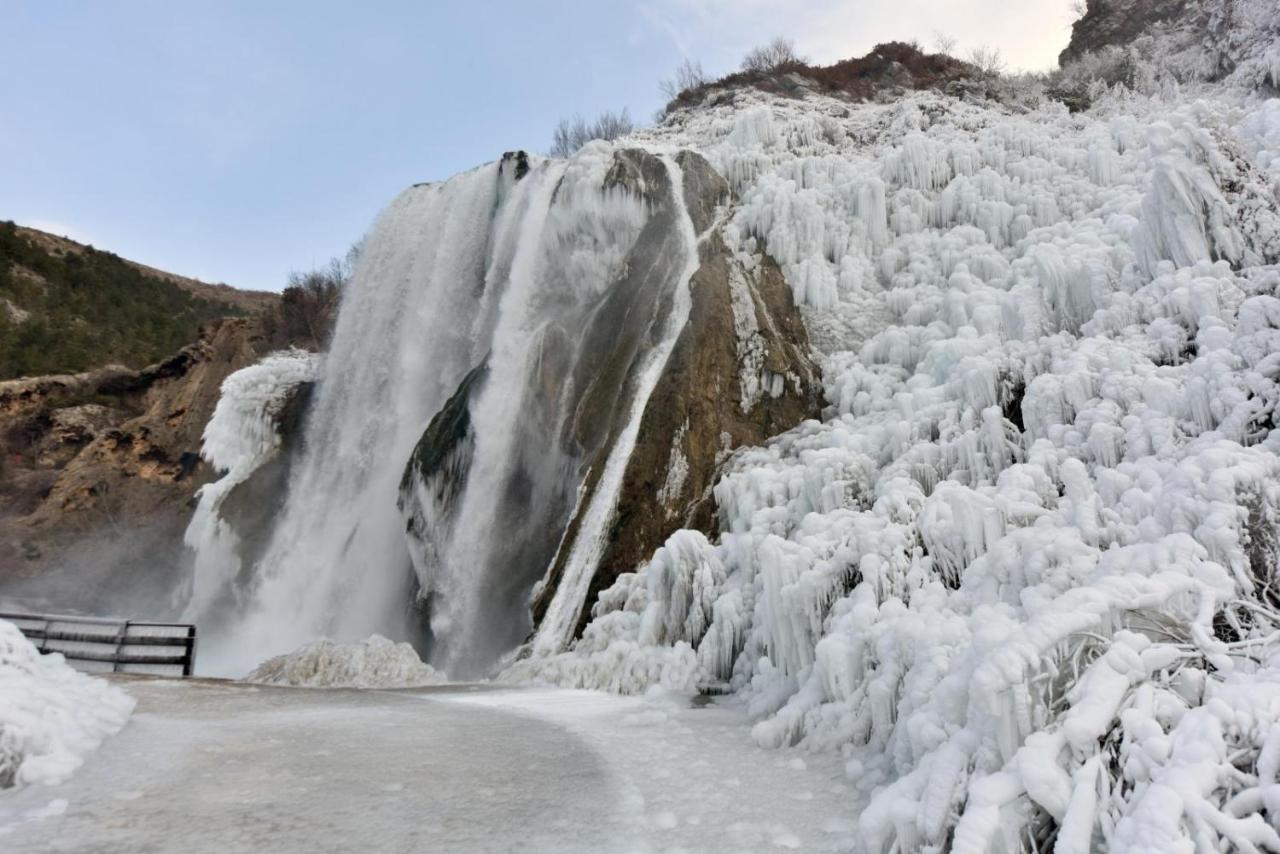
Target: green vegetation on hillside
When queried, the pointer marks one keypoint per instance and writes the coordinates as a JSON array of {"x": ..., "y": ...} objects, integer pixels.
[{"x": 88, "y": 309}]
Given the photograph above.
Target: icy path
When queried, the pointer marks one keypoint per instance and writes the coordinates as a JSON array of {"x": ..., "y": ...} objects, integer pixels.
[{"x": 207, "y": 766}]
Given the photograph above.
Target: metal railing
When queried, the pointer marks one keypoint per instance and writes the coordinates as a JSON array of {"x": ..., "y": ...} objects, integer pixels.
[{"x": 99, "y": 645}]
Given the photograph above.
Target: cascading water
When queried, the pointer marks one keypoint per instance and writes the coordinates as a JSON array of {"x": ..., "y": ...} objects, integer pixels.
[
  {"x": 519, "y": 314},
  {"x": 556, "y": 630},
  {"x": 336, "y": 563}
]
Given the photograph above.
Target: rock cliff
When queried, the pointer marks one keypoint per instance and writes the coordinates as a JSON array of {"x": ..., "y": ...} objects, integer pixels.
[
  {"x": 100, "y": 468},
  {"x": 1108, "y": 23}
]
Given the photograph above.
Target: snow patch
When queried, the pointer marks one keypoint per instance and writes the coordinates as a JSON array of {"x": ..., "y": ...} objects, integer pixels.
[{"x": 51, "y": 716}]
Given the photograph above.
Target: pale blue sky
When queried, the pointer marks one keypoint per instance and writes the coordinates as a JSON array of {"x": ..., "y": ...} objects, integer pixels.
[{"x": 234, "y": 141}]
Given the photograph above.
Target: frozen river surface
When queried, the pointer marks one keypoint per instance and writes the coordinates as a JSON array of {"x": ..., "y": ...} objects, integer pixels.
[{"x": 219, "y": 767}]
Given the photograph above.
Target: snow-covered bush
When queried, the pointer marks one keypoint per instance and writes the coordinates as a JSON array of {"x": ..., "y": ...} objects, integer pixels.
[
  {"x": 644, "y": 629},
  {"x": 1135, "y": 66},
  {"x": 51, "y": 716},
  {"x": 374, "y": 662}
]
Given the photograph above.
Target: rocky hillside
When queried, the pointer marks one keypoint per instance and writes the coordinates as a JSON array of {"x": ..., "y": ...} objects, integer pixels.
[
  {"x": 888, "y": 71},
  {"x": 98, "y": 470},
  {"x": 109, "y": 372},
  {"x": 1189, "y": 40},
  {"x": 1108, "y": 23},
  {"x": 66, "y": 307}
]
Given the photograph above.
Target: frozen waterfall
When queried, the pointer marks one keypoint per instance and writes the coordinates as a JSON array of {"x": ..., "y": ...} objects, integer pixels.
[{"x": 528, "y": 304}]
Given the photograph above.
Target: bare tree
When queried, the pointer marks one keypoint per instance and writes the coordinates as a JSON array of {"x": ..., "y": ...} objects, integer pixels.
[
  {"x": 688, "y": 76},
  {"x": 944, "y": 43},
  {"x": 309, "y": 302},
  {"x": 572, "y": 134},
  {"x": 767, "y": 58},
  {"x": 988, "y": 60}
]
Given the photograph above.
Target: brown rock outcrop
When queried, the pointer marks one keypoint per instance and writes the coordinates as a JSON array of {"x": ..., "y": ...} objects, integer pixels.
[
  {"x": 100, "y": 469},
  {"x": 742, "y": 324}
]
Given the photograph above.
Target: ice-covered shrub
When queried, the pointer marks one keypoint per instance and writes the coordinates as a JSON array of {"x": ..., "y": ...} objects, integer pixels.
[{"x": 374, "y": 662}]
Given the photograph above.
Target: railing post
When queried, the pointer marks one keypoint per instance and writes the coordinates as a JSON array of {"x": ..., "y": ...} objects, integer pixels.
[
  {"x": 120, "y": 637},
  {"x": 189, "y": 666}
]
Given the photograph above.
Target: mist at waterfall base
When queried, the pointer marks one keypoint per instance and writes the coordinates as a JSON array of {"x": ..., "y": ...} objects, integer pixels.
[{"x": 521, "y": 284}]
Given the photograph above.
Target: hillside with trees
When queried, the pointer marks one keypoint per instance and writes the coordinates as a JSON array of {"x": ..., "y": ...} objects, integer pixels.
[{"x": 66, "y": 307}]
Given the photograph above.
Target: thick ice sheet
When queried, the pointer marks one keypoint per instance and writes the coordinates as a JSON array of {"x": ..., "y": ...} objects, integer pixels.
[{"x": 218, "y": 767}]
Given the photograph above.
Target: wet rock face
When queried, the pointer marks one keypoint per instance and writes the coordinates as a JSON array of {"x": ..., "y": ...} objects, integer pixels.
[
  {"x": 100, "y": 469},
  {"x": 437, "y": 471},
  {"x": 252, "y": 506},
  {"x": 739, "y": 374},
  {"x": 1118, "y": 22},
  {"x": 515, "y": 161},
  {"x": 702, "y": 410}
]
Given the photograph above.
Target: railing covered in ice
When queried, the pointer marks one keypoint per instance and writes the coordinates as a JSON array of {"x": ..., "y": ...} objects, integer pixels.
[{"x": 104, "y": 645}]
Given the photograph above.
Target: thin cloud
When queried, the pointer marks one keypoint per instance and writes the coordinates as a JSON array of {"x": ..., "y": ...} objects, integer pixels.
[
  {"x": 1030, "y": 34},
  {"x": 662, "y": 22}
]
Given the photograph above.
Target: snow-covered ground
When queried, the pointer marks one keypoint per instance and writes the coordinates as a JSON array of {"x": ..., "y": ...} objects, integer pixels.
[{"x": 226, "y": 767}]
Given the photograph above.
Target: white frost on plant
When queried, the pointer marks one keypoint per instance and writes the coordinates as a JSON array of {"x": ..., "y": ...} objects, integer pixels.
[
  {"x": 51, "y": 716},
  {"x": 1023, "y": 575},
  {"x": 644, "y": 627},
  {"x": 374, "y": 662},
  {"x": 1261, "y": 131},
  {"x": 677, "y": 472},
  {"x": 752, "y": 346},
  {"x": 242, "y": 435}
]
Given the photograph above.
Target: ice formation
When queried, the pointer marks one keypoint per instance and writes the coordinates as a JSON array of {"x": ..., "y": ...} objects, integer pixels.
[
  {"x": 1238, "y": 40},
  {"x": 51, "y": 716},
  {"x": 241, "y": 436},
  {"x": 374, "y": 662},
  {"x": 1023, "y": 573}
]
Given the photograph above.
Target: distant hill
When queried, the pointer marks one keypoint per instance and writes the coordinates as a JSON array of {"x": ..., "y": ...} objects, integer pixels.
[{"x": 66, "y": 307}]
